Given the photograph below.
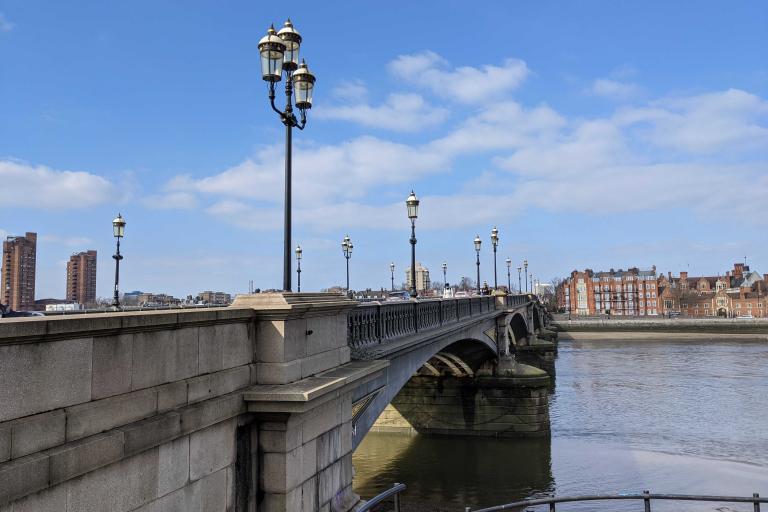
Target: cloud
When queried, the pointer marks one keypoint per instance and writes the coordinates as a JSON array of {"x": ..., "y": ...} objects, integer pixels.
[
  {"x": 171, "y": 201},
  {"x": 354, "y": 91},
  {"x": 732, "y": 120},
  {"x": 401, "y": 112},
  {"x": 69, "y": 241},
  {"x": 463, "y": 84},
  {"x": 5, "y": 25},
  {"x": 24, "y": 185},
  {"x": 614, "y": 89}
]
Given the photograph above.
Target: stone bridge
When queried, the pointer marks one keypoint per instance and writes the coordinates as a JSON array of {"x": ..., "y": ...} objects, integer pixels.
[{"x": 257, "y": 406}]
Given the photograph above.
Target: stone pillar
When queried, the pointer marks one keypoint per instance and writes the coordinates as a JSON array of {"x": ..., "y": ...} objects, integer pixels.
[{"x": 302, "y": 403}]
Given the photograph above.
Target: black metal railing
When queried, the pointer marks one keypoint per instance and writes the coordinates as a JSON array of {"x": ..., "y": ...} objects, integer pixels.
[
  {"x": 394, "y": 493},
  {"x": 646, "y": 496},
  {"x": 372, "y": 323}
]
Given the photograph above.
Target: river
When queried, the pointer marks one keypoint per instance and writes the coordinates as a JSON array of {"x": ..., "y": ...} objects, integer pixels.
[{"x": 669, "y": 416}]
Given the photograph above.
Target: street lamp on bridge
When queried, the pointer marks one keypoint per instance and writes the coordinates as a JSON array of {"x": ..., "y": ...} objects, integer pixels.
[
  {"x": 509, "y": 278},
  {"x": 478, "y": 243},
  {"x": 413, "y": 212},
  {"x": 525, "y": 264},
  {"x": 346, "y": 248},
  {"x": 392, "y": 274},
  {"x": 519, "y": 280},
  {"x": 279, "y": 53},
  {"x": 298, "y": 268},
  {"x": 118, "y": 229},
  {"x": 445, "y": 279},
  {"x": 495, "y": 243}
]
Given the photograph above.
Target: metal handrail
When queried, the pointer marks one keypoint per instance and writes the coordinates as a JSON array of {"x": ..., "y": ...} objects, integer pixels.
[
  {"x": 646, "y": 496},
  {"x": 394, "y": 491}
]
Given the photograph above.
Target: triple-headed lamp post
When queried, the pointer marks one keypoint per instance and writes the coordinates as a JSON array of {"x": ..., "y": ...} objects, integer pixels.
[
  {"x": 280, "y": 54},
  {"x": 346, "y": 248},
  {"x": 478, "y": 243},
  {"x": 509, "y": 277},
  {"x": 495, "y": 243},
  {"x": 413, "y": 211},
  {"x": 298, "y": 268},
  {"x": 118, "y": 229}
]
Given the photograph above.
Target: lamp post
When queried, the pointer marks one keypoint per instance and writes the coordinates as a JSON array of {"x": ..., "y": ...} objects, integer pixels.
[
  {"x": 346, "y": 248},
  {"x": 279, "y": 53},
  {"x": 412, "y": 203},
  {"x": 392, "y": 274},
  {"x": 495, "y": 243},
  {"x": 298, "y": 268},
  {"x": 509, "y": 277},
  {"x": 445, "y": 273},
  {"x": 519, "y": 280},
  {"x": 525, "y": 264},
  {"x": 478, "y": 243},
  {"x": 118, "y": 229}
]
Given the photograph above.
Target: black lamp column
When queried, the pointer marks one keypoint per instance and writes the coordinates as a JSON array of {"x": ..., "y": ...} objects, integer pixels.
[
  {"x": 509, "y": 278},
  {"x": 478, "y": 243},
  {"x": 519, "y": 280},
  {"x": 298, "y": 268},
  {"x": 412, "y": 203},
  {"x": 495, "y": 243},
  {"x": 280, "y": 53},
  {"x": 392, "y": 274},
  {"x": 118, "y": 228},
  {"x": 525, "y": 264},
  {"x": 445, "y": 271},
  {"x": 346, "y": 247}
]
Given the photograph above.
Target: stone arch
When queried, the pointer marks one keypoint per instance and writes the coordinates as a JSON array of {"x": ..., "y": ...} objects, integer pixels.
[
  {"x": 462, "y": 358},
  {"x": 517, "y": 329}
]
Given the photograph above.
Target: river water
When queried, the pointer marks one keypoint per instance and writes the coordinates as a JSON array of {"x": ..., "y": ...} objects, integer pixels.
[{"x": 669, "y": 416}]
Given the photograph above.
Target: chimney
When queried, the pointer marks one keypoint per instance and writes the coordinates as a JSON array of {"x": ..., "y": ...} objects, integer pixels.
[
  {"x": 765, "y": 278},
  {"x": 738, "y": 270},
  {"x": 683, "y": 276},
  {"x": 669, "y": 274}
]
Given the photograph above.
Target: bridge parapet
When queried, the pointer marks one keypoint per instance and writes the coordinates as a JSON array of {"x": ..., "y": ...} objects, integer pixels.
[{"x": 374, "y": 323}]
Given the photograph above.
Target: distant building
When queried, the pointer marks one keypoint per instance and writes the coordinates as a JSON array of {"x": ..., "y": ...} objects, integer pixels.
[
  {"x": 422, "y": 278},
  {"x": 631, "y": 292},
  {"x": 219, "y": 298},
  {"x": 17, "y": 277},
  {"x": 69, "y": 306},
  {"x": 81, "y": 278},
  {"x": 131, "y": 298}
]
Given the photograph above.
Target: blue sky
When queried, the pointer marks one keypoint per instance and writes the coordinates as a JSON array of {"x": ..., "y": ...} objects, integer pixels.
[{"x": 593, "y": 134}]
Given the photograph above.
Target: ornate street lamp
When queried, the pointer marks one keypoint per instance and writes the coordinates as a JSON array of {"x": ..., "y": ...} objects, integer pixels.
[
  {"x": 118, "y": 229},
  {"x": 412, "y": 203},
  {"x": 495, "y": 243},
  {"x": 298, "y": 268},
  {"x": 519, "y": 280},
  {"x": 478, "y": 243},
  {"x": 509, "y": 278},
  {"x": 525, "y": 264},
  {"x": 392, "y": 274},
  {"x": 346, "y": 248},
  {"x": 445, "y": 279},
  {"x": 280, "y": 54}
]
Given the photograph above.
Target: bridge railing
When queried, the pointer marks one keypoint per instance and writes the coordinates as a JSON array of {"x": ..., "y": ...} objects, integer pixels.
[{"x": 372, "y": 323}]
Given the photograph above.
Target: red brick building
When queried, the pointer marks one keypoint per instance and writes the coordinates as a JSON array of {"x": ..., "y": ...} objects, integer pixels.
[
  {"x": 631, "y": 292},
  {"x": 17, "y": 277},
  {"x": 81, "y": 278}
]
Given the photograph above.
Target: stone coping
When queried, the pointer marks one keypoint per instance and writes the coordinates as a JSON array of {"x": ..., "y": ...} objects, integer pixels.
[
  {"x": 32, "y": 329},
  {"x": 307, "y": 393},
  {"x": 287, "y": 305}
]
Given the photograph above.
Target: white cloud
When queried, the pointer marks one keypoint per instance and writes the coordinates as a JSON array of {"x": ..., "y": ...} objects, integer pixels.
[
  {"x": 69, "y": 241},
  {"x": 614, "y": 89},
  {"x": 401, "y": 112},
  {"x": 171, "y": 201},
  {"x": 5, "y": 25},
  {"x": 24, "y": 185},
  {"x": 464, "y": 84},
  {"x": 731, "y": 120},
  {"x": 354, "y": 91}
]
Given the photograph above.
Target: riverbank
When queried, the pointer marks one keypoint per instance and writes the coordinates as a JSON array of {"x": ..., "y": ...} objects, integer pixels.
[
  {"x": 653, "y": 327},
  {"x": 612, "y": 335}
]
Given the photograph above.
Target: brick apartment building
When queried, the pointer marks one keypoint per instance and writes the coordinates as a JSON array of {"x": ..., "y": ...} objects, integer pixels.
[
  {"x": 17, "y": 276},
  {"x": 634, "y": 292},
  {"x": 81, "y": 278},
  {"x": 631, "y": 292}
]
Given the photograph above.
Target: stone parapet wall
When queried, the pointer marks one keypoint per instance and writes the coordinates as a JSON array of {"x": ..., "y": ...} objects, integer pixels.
[{"x": 712, "y": 325}]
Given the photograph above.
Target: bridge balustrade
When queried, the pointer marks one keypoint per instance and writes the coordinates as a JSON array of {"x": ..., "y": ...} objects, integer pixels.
[{"x": 373, "y": 323}]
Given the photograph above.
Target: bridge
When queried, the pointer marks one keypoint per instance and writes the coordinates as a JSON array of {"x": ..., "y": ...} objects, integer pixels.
[{"x": 259, "y": 405}]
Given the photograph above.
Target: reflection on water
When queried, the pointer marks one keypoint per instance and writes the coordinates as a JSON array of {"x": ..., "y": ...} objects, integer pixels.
[{"x": 673, "y": 417}]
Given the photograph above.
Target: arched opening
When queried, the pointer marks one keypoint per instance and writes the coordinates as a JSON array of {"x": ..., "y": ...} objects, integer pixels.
[
  {"x": 519, "y": 329},
  {"x": 722, "y": 312}
]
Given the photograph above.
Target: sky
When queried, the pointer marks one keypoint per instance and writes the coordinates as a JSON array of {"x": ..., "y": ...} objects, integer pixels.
[{"x": 593, "y": 134}]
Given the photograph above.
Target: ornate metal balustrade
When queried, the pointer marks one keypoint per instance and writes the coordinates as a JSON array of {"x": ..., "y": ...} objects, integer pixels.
[{"x": 373, "y": 323}]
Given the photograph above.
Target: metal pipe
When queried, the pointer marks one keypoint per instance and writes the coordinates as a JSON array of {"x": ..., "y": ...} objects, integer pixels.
[{"x": 287, "y": 224}]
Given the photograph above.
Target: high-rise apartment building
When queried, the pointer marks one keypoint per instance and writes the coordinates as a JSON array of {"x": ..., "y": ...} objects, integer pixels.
[
  {"x": 81, "y": 277},
  {"x": 422, "y": 278},
  {"x": 18, "y": 272}
]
